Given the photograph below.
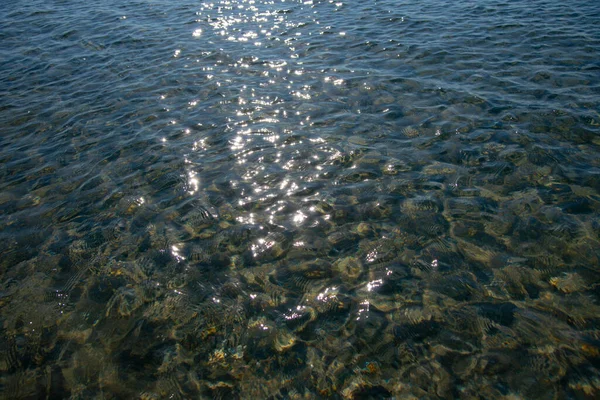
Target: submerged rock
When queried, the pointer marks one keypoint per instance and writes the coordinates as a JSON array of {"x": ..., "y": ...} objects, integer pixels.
[{"x": 349, "y": 269}]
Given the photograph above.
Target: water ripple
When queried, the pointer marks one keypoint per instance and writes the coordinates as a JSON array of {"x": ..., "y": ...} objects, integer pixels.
[{"x": 265, "y": 198}]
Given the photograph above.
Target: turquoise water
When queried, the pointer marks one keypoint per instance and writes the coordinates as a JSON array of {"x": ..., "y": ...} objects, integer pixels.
[{"x": 300, "y": 199}]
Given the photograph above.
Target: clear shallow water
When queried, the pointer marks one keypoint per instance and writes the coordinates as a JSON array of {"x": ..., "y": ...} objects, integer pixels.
[{"x": 299, "y": 199}]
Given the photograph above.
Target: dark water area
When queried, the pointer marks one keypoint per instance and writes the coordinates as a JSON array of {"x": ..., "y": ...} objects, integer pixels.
[{"x": 300, "y": 199}]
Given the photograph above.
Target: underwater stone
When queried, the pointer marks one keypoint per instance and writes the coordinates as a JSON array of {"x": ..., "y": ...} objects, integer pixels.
[
  {"x": 284, "y": 340},
  {"x": 358, "y": 140},
  {"x": 364, "y": 229},
  {"x": 314, "y": 269},
  {"x": 349, "y": 269},
  {"x": 568, "y": 283}
]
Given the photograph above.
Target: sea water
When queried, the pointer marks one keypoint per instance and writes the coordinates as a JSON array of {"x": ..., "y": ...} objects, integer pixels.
[{"x": 299, "y": 199}]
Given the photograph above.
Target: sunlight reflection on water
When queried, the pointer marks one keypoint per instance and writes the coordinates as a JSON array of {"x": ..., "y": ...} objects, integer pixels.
[{"x": 299, "y": 199}]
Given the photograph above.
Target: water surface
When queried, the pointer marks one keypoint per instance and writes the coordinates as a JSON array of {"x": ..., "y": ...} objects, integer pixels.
[{"x": 299, "y": 199}]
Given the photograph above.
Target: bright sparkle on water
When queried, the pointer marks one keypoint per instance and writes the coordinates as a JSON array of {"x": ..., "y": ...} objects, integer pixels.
[{"x": 303, "y": 199}]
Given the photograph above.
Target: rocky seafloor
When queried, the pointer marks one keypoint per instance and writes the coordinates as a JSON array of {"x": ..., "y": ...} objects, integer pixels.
[
  {"x": 299, "y": 200},
  {"x": 476, "y": 278}
]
